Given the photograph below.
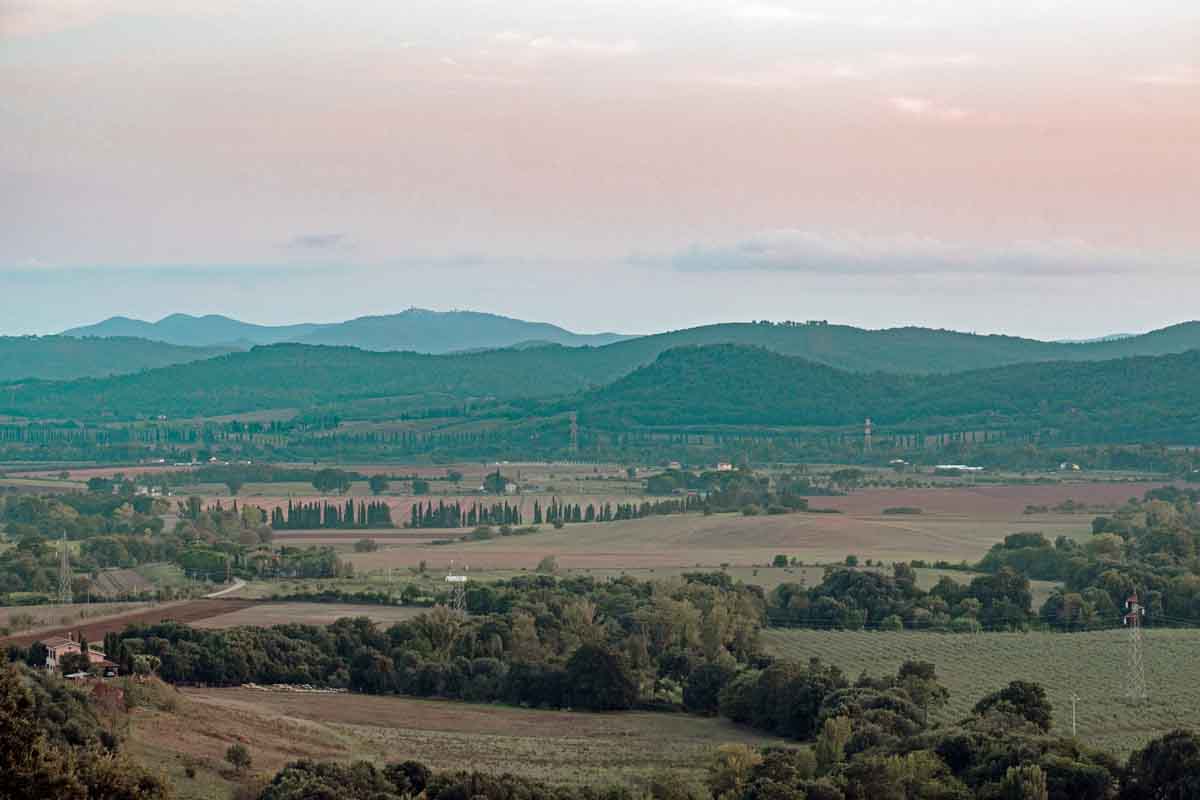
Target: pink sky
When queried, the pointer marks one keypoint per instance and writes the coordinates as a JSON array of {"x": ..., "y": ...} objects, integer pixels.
[{"x": 678, "y": 162}]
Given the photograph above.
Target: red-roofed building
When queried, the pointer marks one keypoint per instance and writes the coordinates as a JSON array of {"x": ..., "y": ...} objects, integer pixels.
[{"x": 57, "y": 647}]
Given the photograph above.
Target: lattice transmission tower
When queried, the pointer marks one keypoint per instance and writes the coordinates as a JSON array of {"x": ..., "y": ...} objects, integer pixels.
[
  {"x": 1135, "y": 677},
  {"x": 574, "y": 448},
  {"x": 456, "y": 586},
  {"x": 64, "y": 573}
]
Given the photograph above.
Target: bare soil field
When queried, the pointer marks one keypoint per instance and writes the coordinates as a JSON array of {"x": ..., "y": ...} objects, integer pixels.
[
  {"x": 987, "y": 500},
  {"x": 51, "y": 616},
  {"x": 281, "y": 613},
  {"x": 695, "y": 540},
  {"x": 573, "y": 747},
  {"x": 1090, "y": 664},
  {"x": 384, "y": 536},
  {"x": 189, "y": 611},
  {"x": 84, "y": 473}
]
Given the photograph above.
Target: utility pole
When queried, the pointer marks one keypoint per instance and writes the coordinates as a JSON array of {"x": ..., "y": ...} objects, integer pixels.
[
  {"x": 1135, "y": 686},
  {"x": 867, "y": 436},
  {"x": 1074, "y": 700},
  {"x": 574, "y": 417},
  {"x": 64, "y": 574}
]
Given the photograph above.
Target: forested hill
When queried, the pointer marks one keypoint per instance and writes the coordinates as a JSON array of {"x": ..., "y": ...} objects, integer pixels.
[
  {"x": 905, "y": 350},
  {"x": 908, "y": 350},
  {"x": 730, "y": 385},
  {"x": 1136, "y": 398},
  {"x": 66, "y": 357},
  {"x": 305, "y": 376}
]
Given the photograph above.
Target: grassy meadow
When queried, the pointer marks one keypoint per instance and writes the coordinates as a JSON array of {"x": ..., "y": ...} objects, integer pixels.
[{"x": 1092, "y": 665}]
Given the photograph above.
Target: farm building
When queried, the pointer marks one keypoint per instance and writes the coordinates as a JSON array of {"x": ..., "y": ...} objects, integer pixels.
[{"x": 57, "y": 647}]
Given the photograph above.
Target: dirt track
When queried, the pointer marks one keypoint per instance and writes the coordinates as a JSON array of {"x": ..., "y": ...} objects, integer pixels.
[{"x": 94, "y": 630}]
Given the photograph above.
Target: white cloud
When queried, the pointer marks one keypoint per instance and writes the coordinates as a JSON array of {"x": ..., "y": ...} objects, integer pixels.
[
  {"x": 19, "y": 18},
  {"x": 1176, "y": 75},
  {"x": 567, "y": 45},
  {"x": 924, "y": 107},
  {"x": 775, "y": 13},
  {"x": 803, "y": 251}
]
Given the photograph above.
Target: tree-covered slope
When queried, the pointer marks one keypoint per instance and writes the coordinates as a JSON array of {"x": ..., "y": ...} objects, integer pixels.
[
  {"x": 712, "y": 385},
  {"x": 66, "y": 357},
  {"x": 909, "y": 350},
  {"x": 303, "y": 376},
  {"x": 730, "y": 385}
]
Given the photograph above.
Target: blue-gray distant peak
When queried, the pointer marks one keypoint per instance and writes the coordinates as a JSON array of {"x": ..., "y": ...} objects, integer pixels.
[{"x": 416, "y": 329}]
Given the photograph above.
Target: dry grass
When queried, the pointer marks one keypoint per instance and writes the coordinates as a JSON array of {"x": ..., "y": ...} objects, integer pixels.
[
  {"x": 267, "y": 614},
  {"x": 281, "y": 727},
  {"x": 1089, "y": 664},
  {"x": 51, "y": 616},
  {"x": 693, "y": 539}
]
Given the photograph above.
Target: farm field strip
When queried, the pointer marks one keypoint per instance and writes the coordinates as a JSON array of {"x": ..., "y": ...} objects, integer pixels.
[
  {"x": 268, "y": 614},
  {"x": 575, "y": 747},
  {"x": 1090, "y": 664},
  {"x": 186, "y": 611},
  {"x": 688, "y": 540}
]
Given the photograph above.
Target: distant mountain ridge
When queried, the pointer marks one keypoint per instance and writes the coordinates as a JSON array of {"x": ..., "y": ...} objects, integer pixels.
[
  {"x": 416, "y": 330},
  {"x": 69, "y": 357}
]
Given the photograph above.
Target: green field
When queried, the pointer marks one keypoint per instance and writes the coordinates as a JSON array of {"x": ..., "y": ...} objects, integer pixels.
[{"x": 1092, "y": 665}]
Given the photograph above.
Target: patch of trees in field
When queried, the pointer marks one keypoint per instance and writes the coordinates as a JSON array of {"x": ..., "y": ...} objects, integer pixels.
[
  {"x": 212, "y": 543},
  {"x": 536, "y": 641},
  {"x": 862, "y": 598},
  {"x": 1148, "y": 547}
]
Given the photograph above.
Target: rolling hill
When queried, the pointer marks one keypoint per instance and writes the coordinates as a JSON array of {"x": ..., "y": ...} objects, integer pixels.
[
  {"x": 909, "y": 350},
  {"x": 417, "y": 330},
  {"x": 185, "y": 329},
  {"x": 1140, "y": 398},
  {"x": 67, "y": 357}
]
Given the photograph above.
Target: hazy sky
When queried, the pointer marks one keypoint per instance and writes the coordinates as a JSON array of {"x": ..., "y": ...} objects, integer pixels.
[{"x": 1019, "y": 166}]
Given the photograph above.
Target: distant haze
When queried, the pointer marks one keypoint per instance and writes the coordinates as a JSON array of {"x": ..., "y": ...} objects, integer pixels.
[{"x": 1020, "y": 167}]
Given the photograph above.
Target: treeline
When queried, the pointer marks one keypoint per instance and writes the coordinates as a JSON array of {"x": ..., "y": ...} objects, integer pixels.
[
  {"x": 455, "y": 515},
  {"x": 535, "y": 641},
  {"x": 300, "y": 516},
  {"x": 864, "y": 598},
  {"x": 1148, "y": 548},
  {"x": 112, "y": 532},
  {"x": 557, "y": 511}
]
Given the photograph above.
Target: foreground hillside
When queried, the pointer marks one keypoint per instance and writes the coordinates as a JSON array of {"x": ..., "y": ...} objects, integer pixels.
[{"x": 67, "y": 357}]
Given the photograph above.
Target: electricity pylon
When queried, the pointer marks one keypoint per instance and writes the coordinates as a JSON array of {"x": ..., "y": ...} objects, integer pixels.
[
  {"x": 456, "y": 584},
  {"x": 1135, "y": 678},
  {"x": 64, "y": 574}
]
